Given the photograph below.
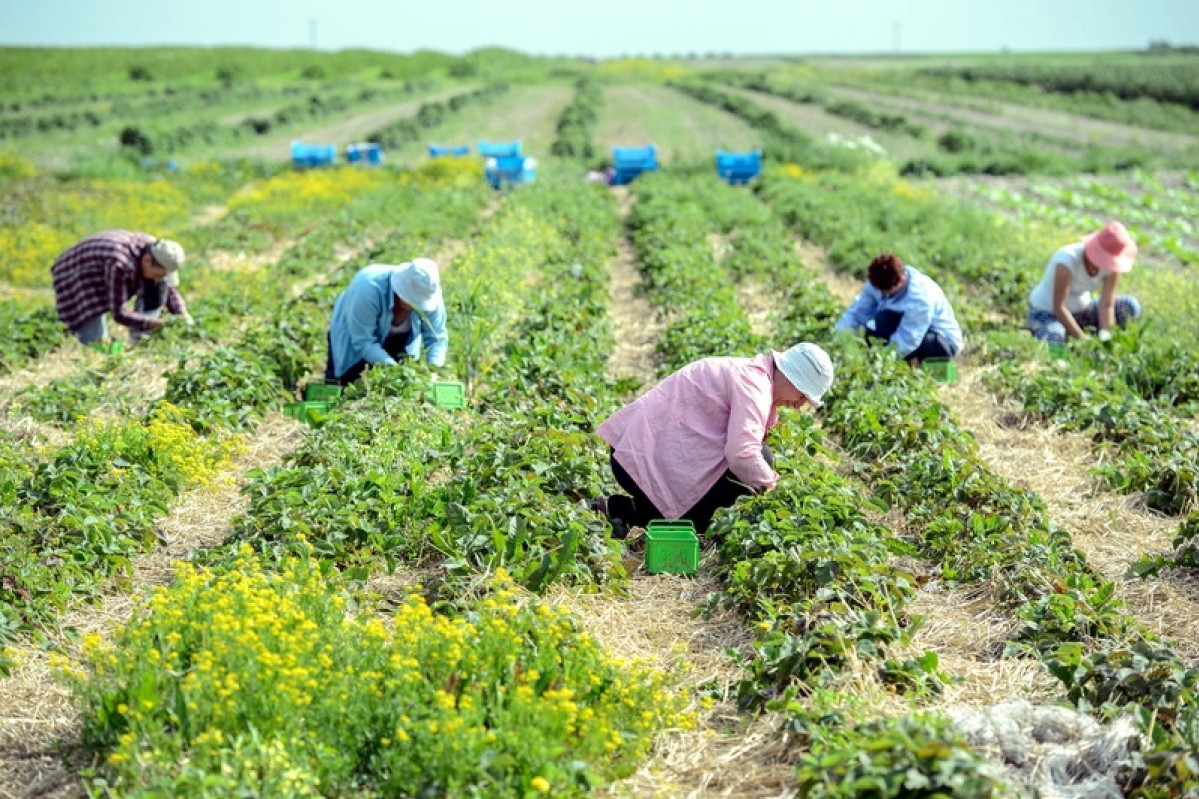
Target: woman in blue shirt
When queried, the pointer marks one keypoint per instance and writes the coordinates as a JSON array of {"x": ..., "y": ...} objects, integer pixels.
[
  {"x": 905, "y": 307},
  {"x": 387, "y": 310}
]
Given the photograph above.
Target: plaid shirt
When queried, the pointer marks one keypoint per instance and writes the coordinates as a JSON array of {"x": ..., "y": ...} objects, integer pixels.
[{"x": 101, "y": 273}]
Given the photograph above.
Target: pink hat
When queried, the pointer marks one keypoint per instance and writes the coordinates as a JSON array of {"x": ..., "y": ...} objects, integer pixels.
[{"x": 1111, "y": 249}]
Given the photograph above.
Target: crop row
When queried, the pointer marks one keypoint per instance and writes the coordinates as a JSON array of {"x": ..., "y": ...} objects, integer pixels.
[
  {"x": 87, "y": 509},
  {"x": 806, "y": 562},
  {"x": 962, "y": 149},
  {"x": 1161, "y": 226},
  {"x": 977, "y": 527}
]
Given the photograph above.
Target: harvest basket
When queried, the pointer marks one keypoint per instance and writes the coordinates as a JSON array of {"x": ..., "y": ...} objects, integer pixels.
[
  {"x": 447, "y": 394},
  {"x": 312, "y": 413},
  {"x": 940, "y": 369},
  {"x": 671, "y": 547},
  {"x": 322, "y": 392}
]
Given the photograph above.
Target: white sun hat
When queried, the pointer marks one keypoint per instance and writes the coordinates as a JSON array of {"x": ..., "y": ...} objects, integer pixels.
[
  {"x": 418, "y": 283},
  {"x": 169, "y": 255},
  {"x": 809, "y": 369}
]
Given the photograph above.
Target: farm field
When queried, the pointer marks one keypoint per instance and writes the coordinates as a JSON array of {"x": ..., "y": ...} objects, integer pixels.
[
  {"x": 686, "y": 131},
  {"x": 972, "y": 588}
]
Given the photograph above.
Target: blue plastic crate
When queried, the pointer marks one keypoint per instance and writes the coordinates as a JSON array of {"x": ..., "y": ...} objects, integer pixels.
[
  {"x": 499, "y": 149},
  {"x": 442, "y": 151},
  {"x": 369, "y": 153},
  {"x": 512, "y": 170},
  {"x": 307, "y": 156},
  {"x": 738, "y": 168},
  {"x": 629, "y": 162}
]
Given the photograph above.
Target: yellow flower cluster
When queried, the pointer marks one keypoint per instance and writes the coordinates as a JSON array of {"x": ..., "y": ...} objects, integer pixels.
[
  {"x": 444, "y": 172},
  {"x": 198, "y": 460},
  {"x": 13, "y": 167},
  {"x": 59, "y": 218},
  {"x": 794, "y": 171},
  {"x": 163, "y": 444},
  {"x": 907, "y": 191},
  {"x": 203, "y": 169},
  {"x": 216, "y": 660},
  {"x": 30, "y": 249},
  {"x": 312, "y": 191}
]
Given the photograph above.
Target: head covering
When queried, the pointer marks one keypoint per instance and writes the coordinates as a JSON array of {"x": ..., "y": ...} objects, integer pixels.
[
  {"x": 1111, "y": 249},
  {"x": 418, "y": 283},
  {"x": 809, "y": 369},
  {"x": 169, "y": 255}
]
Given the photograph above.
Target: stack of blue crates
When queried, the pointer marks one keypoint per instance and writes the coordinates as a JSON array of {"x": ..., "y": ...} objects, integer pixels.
[
  {"x": 499, "y": 149},
  {"x": 368, "y": 153},
  {"x": 738, "y": 168},
  {"x": 629, "y": 162},
  {"x": 505, "y": 166}
]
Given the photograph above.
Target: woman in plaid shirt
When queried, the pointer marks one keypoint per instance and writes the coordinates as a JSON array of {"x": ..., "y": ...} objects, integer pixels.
[{"x": 101, "y": 273}]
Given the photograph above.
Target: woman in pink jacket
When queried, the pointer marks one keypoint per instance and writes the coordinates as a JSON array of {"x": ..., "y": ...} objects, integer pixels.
[{"x": 695, "y": 442}]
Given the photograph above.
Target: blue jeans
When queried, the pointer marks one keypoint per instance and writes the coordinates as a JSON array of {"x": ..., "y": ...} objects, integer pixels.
[
  {"x": 1046, "y": 327},
  {"x": 395, "y": 345},
  {"x": 149, "y": 302},
  {"x": 934, "y": 345},
  {"x": 93, "y": 330}
]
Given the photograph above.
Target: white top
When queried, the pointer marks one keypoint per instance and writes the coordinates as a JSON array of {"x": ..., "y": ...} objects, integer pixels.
[
  {"x": 402, "y": 327},
  {"x": 1078, "y": 296}
]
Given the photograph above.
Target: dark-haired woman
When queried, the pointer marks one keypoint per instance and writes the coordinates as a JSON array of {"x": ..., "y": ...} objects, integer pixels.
[{"x": 905, "y": 307}]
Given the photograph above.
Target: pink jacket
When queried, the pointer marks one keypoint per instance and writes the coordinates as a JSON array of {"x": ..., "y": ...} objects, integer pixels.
[{"x": 677, "y": 440}]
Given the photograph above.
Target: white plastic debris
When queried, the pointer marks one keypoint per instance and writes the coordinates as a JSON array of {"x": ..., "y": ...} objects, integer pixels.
[{"x": 1052, "y": 752}]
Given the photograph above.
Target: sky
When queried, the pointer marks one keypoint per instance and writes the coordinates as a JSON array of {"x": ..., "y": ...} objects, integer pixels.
[{"x": 610, "y": 28}]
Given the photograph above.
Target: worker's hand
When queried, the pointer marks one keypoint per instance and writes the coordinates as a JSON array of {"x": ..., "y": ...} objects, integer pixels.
[
  {"x": 1105, "y": 335},
  {"x": 154, "y": 323},
  {"x": 189, "y": 320}
]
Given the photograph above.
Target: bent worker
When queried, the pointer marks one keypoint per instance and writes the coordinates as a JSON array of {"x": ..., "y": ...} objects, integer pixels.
[
  {"x": 696, "y": 441},
  {"x": 905, "y": 307},
  {"x": 1061, "y": 305},
  {"x": 100, "y": 274},
  {"x": 387, "y": 310}
]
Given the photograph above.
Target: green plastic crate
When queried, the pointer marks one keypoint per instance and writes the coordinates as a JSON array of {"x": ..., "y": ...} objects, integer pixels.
[
  {"x": 1057, "y": 350},
  {"x": 941, "y": 369},
  {"x": 308, "y": 412},
  {"x": 671, "y": 547},
  {"x": 446, "y": 394},
  {"x": 108, "y": 347},
  {"x": 322, "y": 392}
]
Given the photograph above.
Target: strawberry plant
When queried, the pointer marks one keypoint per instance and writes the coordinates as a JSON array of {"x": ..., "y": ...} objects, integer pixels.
[{"x": 910, "y": 756}]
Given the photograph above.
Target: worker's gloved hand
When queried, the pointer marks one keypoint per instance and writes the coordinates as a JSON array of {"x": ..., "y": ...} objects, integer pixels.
[{"x": 1105, "y": 335}]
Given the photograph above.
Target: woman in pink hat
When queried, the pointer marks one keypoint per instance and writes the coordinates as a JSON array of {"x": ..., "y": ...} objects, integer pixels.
[{"x": 1061, "y": 305}]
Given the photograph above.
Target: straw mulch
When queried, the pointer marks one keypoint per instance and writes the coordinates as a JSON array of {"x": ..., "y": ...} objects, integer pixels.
[{"x": 1111, "y": 530}]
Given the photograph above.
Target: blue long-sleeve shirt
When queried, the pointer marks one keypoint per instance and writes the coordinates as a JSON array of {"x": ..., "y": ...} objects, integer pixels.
[
  {"x": 362, "y": 320},
  {"x": 922, "y": 304}
]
